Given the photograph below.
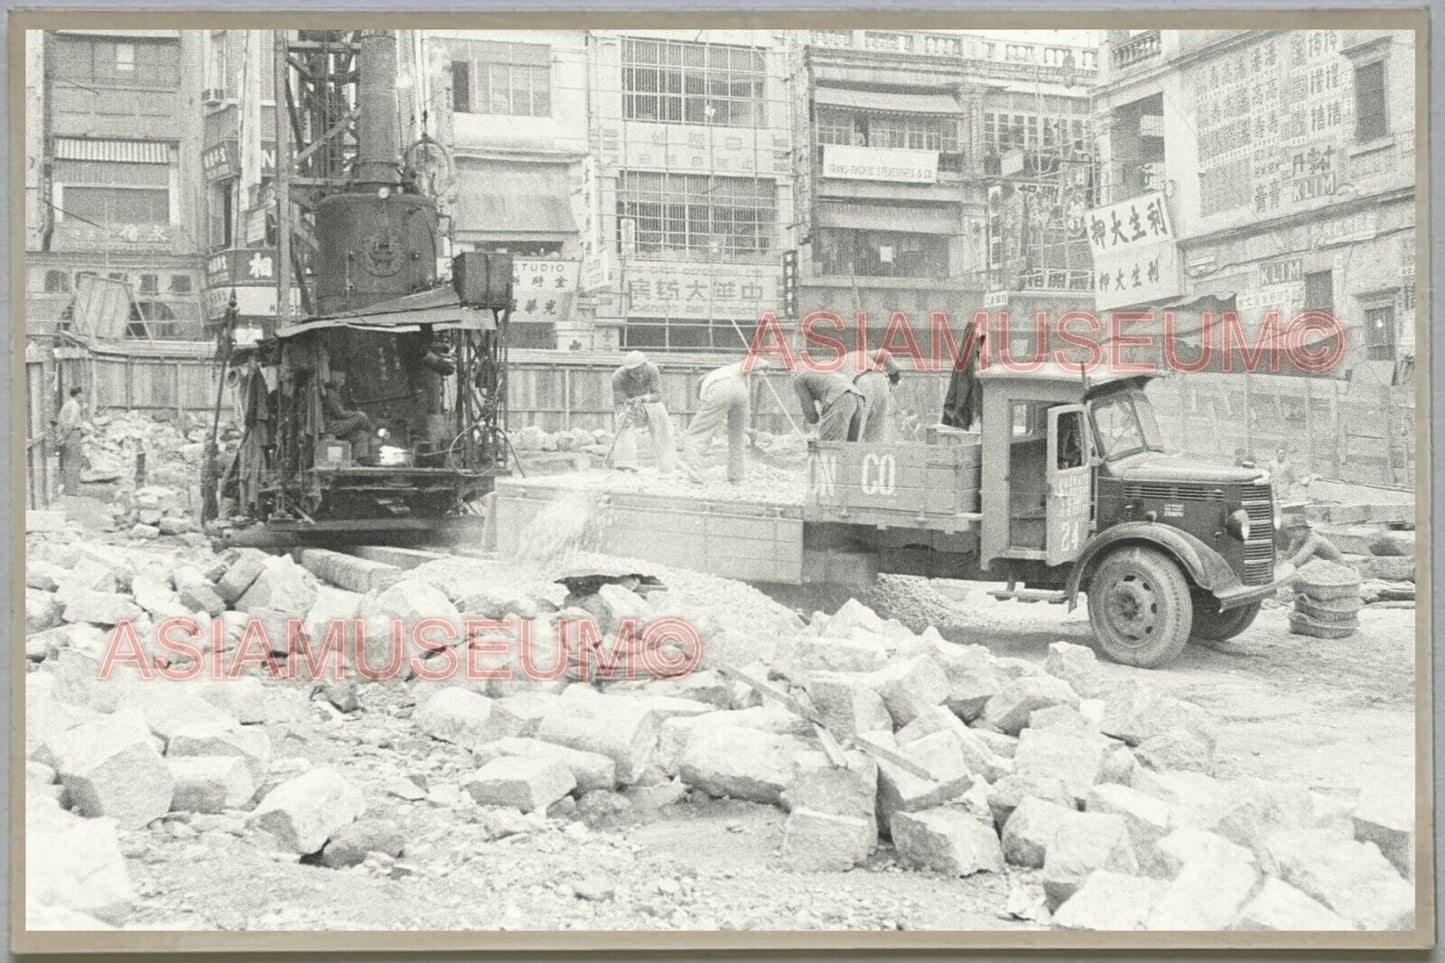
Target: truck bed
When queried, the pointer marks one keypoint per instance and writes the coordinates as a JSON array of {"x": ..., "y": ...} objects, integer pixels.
[
  {"x": 826, "y": 524},
  {"x": 752, "y": 532}
]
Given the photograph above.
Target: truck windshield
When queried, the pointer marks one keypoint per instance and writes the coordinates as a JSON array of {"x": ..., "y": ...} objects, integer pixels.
[{"x": 1125, "y": 425}]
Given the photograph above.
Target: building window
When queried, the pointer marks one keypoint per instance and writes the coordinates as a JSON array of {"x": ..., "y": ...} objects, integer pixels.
[
  {"x": 1371, "y": 121},
  {"x": 510, "y": 79},
  {"x": 695, "y": 216},
  {"x": 150, "y": 284},
  {"x": 57, "y": 282},
  {"x": 549, "y": 250},
  {"x": 1000, "y": 133},
  {"x": 679, "y": 334},
  {"x": 910, "y": 131},
  {"x": 1320, "y": 292},
  {"x": 1019, "y": 53},
  {"x": 843, "y": 252},
  {"x": 674, "y": 82},
  {"x": 1380, "y": 333},
  {"x": 135, "y": 62},
  {"x": 181, "y": 284}
]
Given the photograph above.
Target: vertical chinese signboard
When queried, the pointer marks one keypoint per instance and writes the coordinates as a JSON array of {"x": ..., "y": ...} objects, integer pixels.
[{"x": 1135, "y": 258}]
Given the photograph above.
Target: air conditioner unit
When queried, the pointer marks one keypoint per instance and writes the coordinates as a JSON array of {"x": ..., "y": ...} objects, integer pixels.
[{"x": 213, "y": 96}]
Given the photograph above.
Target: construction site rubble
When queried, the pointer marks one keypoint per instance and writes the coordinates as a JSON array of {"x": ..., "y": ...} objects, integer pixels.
[{"x": 1097, "y": 801}]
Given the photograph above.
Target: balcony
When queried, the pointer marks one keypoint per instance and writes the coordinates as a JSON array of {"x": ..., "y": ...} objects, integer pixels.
[
  {"x": 1136, "y": 50},
  {"x": 890, "y": 41}
]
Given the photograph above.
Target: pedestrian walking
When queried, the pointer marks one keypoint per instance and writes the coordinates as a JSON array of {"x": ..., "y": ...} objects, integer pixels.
[{"x": 637, "y": 397}]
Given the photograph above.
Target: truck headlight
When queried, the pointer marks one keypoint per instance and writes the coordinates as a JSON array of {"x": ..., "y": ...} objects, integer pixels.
[{"x": 1237, "y": 524}]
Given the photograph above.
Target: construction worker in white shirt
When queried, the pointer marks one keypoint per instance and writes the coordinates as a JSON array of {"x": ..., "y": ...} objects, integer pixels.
[
  {"x": 637, "y": 398},
  {"x": 876, "y": 385},
  {"x": 724, "y": 401},
  {"x": 70, "y": 431}
]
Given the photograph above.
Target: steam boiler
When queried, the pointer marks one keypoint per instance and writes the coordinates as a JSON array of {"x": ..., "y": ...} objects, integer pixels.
[{"x": 380, "y": 416}]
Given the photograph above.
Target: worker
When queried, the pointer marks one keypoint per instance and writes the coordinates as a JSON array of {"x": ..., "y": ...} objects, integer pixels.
[
  {"x": 963, "y": 404},
  {"x": 832, "y": 405},
  {"x": 876, "y": 385},
  {"x": 1281, "y": 474},
  {"x": 346, "y": 423},
  {"x": 70, "y": 432},
  {"x": 637, "y": 398},
  {"x": 724, "y": 398}
]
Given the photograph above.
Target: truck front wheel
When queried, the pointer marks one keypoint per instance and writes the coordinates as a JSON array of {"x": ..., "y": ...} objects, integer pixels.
[{"x": 1139, "y": 607}]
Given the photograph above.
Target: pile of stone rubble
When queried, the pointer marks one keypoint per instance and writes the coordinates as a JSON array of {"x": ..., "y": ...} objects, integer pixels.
[{"x": 1096, "y": 798}]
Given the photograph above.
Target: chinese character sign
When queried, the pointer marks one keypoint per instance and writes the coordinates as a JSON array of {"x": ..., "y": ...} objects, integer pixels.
[
  {"x": 664, "y": 290},
  {"x": 1135, "y": 259},
  {"x": 543, "y": 290}
]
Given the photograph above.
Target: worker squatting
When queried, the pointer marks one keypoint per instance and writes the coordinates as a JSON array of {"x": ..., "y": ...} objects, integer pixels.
[{"x": 432, "y": 649}]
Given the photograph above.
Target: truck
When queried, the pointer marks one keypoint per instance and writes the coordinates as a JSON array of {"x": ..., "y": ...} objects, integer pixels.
[{"x": 1063, "y": 489}]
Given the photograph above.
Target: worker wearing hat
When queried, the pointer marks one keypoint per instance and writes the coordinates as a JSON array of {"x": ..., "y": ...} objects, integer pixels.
[
  {"x": 876, "y": 386},
  {"x": 832, "y": 404},
  {"x": 637, "y": 397},
  {"x": 724, "y": 399}
]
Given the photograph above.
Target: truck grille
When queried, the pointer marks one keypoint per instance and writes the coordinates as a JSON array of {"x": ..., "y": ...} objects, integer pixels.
[
  {"x": 1175, "y": 491},
  {"x": 1258, "y": 501}
]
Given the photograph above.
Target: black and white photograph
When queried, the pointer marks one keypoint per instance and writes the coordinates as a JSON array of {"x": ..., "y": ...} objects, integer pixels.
[{"x": 779, "y": 478}]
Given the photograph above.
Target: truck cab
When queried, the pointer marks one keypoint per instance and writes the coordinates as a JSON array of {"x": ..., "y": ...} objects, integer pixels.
[{"x": 1077, "y": 494}]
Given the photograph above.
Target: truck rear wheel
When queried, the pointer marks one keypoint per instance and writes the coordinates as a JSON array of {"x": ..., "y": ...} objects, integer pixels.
[
  {"x": 1139, "y": 607},
  {"x": 1212, "y": 625}
]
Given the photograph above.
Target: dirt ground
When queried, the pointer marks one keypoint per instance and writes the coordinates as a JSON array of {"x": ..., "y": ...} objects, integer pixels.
[{"x": 1333, "y": 715}]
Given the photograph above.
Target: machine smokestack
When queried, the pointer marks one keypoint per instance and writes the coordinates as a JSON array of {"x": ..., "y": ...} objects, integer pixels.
[{"x": 378, "y": 153}]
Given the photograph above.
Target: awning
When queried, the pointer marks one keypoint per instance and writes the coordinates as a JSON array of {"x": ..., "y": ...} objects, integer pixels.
[
  {"x": 886, "y": 102},
  {"x": 115, "y": 151},
  {"x": 890, "y": 217},
  {"x": 514, "y": 200},
  {"x": 438, "y": 307},
  {"x": 1195, "y": 299}
]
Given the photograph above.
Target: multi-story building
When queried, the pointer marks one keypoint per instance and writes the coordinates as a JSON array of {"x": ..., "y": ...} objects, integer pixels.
[
  {"x": 113, "y": 174},
  {"x": 937, "y": 172},
  {"x": 512, "y": 108},
  {"x": 1284, "y": 162},
  {"x": 238, "y": 162},
  {"x": 691, "y": 134}
]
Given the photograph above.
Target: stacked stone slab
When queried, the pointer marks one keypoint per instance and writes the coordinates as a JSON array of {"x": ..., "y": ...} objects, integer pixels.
[{"x": 1327, "y": 604}]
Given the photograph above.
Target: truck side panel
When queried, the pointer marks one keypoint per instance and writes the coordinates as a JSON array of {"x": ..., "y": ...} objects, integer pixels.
[
  {"x": 747, "y": 541},
  {"x": 904, "y": 484}
]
